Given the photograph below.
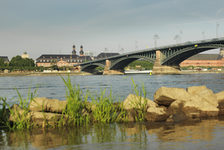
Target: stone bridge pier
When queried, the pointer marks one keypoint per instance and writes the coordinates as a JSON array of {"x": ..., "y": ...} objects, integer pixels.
[
  {"x": 108, "y": 71},
  {"x": 163, "y": 69}
]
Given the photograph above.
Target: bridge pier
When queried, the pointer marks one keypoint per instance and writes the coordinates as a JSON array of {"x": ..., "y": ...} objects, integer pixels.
[
  {"x": 107, "y": 70},
  {"x": 162, "y": 69}
]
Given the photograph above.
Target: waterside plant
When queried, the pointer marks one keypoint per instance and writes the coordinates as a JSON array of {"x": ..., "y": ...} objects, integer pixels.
[{"x": 141, "y": 104}]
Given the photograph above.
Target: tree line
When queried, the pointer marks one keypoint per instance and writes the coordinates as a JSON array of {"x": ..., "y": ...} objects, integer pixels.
[{"x": 18, "y": 63}]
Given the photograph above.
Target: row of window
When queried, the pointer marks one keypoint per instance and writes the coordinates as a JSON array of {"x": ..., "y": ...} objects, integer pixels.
[{"x": 69, "y": 61}]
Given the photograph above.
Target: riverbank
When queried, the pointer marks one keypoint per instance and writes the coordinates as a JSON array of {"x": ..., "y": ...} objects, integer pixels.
[
  {"x": 43, "y": 73},
  {"x": 86, "y": 73}
]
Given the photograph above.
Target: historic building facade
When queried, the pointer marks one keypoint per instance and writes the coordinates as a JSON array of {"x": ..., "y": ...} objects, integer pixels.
[
  {"x": 206, "y": 60},
  {"x": 63, "y": 60},
  {"x": 5, "y": 58}
]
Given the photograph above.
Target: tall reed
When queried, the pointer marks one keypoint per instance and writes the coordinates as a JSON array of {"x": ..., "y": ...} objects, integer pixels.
[
  {"x": 21, "y": 114},
  {"x": 105, "y": 110},
  {"x": 141, "y": 104},
  {"x": 76, "y": 104}
]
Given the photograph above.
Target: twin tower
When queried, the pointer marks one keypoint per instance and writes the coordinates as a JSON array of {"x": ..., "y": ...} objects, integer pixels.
[{"x": 81, "y": 52}]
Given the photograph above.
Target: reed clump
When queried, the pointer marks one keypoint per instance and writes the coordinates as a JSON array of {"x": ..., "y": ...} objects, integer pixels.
[{"x": 140, "y": 105}]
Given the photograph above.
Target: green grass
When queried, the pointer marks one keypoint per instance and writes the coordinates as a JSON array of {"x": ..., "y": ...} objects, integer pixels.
[
  {"x": 3, "y": 112},
  {"x": 141, "y": 104},
  {"x": 105, "y": 111},
  {"x": 76, "y": 104},
  {"x": 21, "y": 113}
]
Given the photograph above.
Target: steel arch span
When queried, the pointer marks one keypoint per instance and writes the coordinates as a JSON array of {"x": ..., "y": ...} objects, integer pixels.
[{"x": 170, "y": 55}]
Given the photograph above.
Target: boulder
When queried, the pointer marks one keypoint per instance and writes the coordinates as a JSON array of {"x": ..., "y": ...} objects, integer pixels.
[
  {"x": 204, "y": 92},
  {"x": 137, "y": 102},
  {"x": 17, "y": 114},
  {"x": 35, "y": 118},
  {"x": 195, "y": 89},
  {"x": 42, "y": 118},
  {"x": 43, "y": 104},
  {"x": 156, "y": 114},
  {"x": 220, "y": 98},
  {"x": 153, "y": 111},
  {"x": 196, "y": 107},
  {"x": 166, "y": 95}
]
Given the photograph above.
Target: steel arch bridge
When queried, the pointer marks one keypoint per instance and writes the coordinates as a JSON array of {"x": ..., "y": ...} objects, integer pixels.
[{"x": 171, "y": 55}]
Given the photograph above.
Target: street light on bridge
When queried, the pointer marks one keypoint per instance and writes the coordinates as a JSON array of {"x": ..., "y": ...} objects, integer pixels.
[{"x": 155, "y": 37}]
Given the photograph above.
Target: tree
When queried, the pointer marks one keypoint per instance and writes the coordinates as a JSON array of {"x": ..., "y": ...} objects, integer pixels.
[
  {"x": 2, "y": 62},
  {"x": 18, "y": 62}
]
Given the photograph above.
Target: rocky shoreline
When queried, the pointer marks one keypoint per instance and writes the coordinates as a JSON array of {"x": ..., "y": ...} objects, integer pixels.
[{"x": 170, "y": 105}]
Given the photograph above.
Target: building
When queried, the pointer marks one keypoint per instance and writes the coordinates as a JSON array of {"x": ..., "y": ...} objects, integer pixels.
[
  {"x": 25, "y": 55},
  {"x": 5, "y": 58},
  {"x": 62, "y": 60},
  {"x": 206, "y": 60}
]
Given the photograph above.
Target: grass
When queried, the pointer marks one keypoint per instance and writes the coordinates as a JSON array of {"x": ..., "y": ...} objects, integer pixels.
[
  {"x": 3, "y": 112},
  {"x": 105, "y": 111},
  {"x": 79, "y": 111},
  {"x": 141, "y": 103},
  {"x": 21, "y": 114},
  {"x": 76, "y": 104}
]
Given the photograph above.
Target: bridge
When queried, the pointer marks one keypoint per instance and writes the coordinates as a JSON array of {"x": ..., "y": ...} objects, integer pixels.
[{"x": 166, "y": 59}]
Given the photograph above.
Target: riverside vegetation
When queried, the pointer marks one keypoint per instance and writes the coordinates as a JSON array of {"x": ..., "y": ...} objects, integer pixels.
[{"x": 170, "y": 105}]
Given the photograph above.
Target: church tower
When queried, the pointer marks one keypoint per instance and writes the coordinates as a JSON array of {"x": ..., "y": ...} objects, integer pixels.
[
  {"x": 81, "y": 52},
  {"x": 73, "y": 51}
]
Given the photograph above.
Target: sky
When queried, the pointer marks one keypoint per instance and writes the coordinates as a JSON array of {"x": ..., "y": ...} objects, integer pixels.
[{"x": 53, "y": 26}]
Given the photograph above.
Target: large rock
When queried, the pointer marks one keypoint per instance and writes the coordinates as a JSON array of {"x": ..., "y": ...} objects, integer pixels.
[
  {"x": 35, "y": 118},
  {"x": 137, "y": 102},
  {"x": 166, "y": 95},
  {"x": 195, "y": 89},
  {"x": 196, "y": 107},
  {"x": 156, "y": 114},
  {"x": 153, "y": 111},
  {"x": 220, "y": 98},
  {"x": 43, "y": 104},
  {"x": 43, "y": 119},
  {"x": 204, "y": 92},
  {"x": 17, "y": 114}
]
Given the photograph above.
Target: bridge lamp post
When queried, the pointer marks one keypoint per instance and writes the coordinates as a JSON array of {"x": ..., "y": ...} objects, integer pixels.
[
  {"x": 217, "y": 29},
  {"x": 177, "y": 38},
  {"x": 155, "y": 37}
]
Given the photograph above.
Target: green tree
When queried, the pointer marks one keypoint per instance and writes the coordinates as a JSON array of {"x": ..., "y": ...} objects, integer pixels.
[
  {"x": 2, "y": 63},
  {"x": 144, "y": 64},
  {"x": 18, "y": 62}
]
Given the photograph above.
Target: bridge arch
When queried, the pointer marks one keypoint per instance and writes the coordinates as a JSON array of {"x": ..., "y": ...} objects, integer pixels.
[
  {"x": 177, "y": 57},
  {"x": 121, "y": 63},
  {"x": 91, "y": 67}
]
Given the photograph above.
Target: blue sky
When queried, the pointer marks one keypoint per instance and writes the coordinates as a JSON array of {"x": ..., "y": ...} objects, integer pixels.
[{"x": 53, "y": 26}]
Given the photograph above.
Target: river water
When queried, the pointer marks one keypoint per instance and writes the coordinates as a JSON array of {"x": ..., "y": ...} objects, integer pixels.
[{"x": 204, "y": 134}]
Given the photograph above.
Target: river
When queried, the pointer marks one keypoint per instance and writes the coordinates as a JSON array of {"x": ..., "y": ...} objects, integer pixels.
[{"x": 204, "y": 134}]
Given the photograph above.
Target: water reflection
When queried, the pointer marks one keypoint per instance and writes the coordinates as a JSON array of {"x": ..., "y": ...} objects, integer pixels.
[{"x": 203, "y": 134}]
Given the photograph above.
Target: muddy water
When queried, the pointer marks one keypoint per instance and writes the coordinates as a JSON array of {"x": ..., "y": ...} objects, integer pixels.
[{"x": 205, "y": 134}]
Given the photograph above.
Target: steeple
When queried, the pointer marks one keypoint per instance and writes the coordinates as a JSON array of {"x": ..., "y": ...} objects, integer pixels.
[
  {"x": 73, "y": 51},
  {"x": 81, "y": 52}
]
